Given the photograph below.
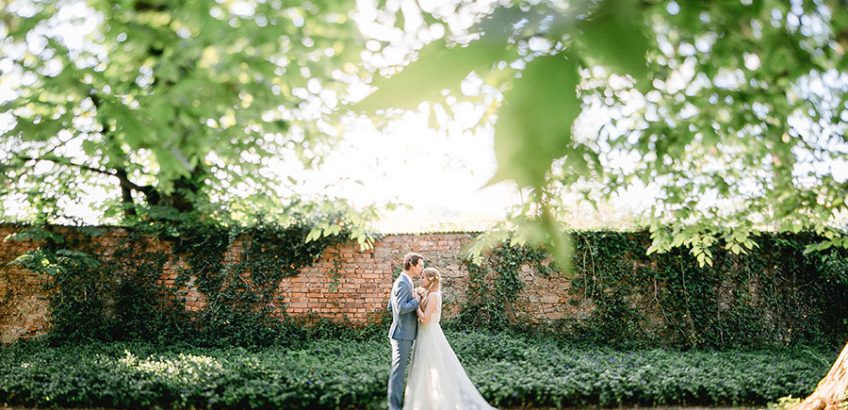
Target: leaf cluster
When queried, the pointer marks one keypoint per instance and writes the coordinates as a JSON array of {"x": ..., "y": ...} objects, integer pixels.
[
  {"x": 733, "y": 111},
  {"x": 168, "y": 103}
]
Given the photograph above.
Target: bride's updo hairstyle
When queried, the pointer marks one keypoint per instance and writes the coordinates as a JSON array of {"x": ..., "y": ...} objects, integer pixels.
[{"x": 433, "y": 275}]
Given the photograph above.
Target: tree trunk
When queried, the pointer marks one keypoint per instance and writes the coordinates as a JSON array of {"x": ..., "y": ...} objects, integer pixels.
[
  {"x": 187, "y": 190},
  {"x": 830, "y": 390},
  {"x": 126, "y": 193}
]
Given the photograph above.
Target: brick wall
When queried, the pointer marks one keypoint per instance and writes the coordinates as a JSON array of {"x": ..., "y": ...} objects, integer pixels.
[
  {"x": 344, "y": 283},
  {"x": 23, "y": 303},
  {"x": 24, "y": 295}
]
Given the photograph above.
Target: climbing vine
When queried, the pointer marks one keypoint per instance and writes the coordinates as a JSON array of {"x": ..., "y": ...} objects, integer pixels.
[
  {"x": 120, "y": 295},
  {"x": 774, "y": 295},
  {"x": 495, "y": 283},
  {"x": 241, "y": 307}
]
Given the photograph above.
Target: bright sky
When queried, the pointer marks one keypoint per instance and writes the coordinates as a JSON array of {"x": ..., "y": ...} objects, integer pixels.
[{"x": 439, "y": 174}]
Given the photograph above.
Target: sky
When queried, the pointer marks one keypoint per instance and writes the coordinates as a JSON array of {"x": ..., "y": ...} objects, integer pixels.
[{"x": 440, "y": 175}]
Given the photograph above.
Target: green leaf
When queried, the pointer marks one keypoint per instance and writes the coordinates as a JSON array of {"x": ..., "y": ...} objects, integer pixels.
[
  {"x": 534, "y": 125},
  {"x": 171, "y": 166},
  {"x": 439, "y": 67},
  {"x": 616, "y": 37},
  {"x": 314, "y": 234},
  {"x": 131, "y": 124},
  {"x": 89, "y": 147},
  {"x": 35, "y": 233},
  {"x": 42, "y": 131}
]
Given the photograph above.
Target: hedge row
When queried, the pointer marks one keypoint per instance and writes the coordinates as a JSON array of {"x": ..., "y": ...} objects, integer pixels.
[{"x": 510, "y": 370}]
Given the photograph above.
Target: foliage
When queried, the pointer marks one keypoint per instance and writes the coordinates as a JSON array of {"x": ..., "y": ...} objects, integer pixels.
[
  {"x": 495, "y": 282},
  {"x": 92, "y": 298},
  {"x": 775, "y": 295},
  {"x": 734, "y": 110},
  {"x": 241, "y": 296},
  {"x": 121, "y": 295},
  {"x": 785, "y": 403},
  {"x": 168, "y": 105},
  {"x": 340, "y": 372}
]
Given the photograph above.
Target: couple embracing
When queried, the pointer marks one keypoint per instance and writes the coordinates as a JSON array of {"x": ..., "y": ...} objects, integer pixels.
[{"x": 436, "y": 378}]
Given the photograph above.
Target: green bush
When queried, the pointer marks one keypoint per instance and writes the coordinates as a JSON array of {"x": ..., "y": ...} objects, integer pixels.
[{"x": 351, "y": 372}]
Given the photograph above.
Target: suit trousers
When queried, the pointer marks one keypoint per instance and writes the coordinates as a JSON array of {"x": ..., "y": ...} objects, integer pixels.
[{"x": 401, "y": 350}]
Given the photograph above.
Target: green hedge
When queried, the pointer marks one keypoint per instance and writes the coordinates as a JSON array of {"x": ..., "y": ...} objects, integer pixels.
[{"x": 510, "y": 370}]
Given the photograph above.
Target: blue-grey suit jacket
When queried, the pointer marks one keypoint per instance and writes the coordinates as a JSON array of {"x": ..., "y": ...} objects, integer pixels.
[{"x": 403, "y": 306}]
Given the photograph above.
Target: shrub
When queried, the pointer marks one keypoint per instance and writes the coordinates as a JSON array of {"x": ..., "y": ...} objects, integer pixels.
[{"x": 334, "y": 372}]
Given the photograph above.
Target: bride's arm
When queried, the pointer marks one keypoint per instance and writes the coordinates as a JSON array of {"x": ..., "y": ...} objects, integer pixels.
[
  {"x": 432, "y": 305},
  {"x": 419, "y": 312}
]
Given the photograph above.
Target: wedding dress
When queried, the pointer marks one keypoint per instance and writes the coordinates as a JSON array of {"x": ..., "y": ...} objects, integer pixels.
[{"x": 436, "y": 378}]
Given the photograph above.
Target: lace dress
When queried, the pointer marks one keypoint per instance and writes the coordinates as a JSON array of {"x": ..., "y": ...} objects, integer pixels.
[{"x": 436, "y": 378}]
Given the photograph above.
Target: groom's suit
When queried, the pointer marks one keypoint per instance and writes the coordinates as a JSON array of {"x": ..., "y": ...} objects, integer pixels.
[{"x": 404, "y": 328}]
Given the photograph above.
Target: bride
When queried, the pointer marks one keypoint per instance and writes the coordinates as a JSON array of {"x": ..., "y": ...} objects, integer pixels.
[{"x": 436, "y": 378}]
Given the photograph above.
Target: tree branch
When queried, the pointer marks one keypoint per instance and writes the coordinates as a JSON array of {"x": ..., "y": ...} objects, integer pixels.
[
  {"x": 121, "y": 174},
  {"x": 64, "y": 161}
]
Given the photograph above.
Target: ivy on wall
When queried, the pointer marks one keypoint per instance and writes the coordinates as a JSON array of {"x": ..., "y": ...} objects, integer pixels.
[
  {"x": 775, "y": 295},
  {"x": 240, "y": 295},
  {"x": 495, "y": 283},
  {"x": 121, "y": 297},
  {"x": 118, "y": 297}
]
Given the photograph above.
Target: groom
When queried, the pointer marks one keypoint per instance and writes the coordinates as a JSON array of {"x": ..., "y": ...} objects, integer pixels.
[{"x": 403, "y": 304}]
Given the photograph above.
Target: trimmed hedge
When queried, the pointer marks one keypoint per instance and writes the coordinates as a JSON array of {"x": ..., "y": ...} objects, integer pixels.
[{"x": 510, "y": 370}]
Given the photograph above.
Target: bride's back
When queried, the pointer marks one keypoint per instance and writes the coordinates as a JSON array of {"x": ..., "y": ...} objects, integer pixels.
[{"x": 436, "y": 299}]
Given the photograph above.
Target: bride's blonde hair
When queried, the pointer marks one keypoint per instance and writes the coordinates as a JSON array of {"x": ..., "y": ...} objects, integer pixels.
[{"x": 433, "y": 275}]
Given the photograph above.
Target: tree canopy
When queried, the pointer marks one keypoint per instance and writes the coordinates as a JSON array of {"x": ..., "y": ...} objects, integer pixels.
[
  {"x": 734, "y": 112},
  {"x": 169, "y": 106}
]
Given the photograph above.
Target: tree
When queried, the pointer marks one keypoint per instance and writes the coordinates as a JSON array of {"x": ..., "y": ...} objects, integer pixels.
[
  {"x": 734, "y": 111},
  {"x": 708, "y": 86},
  {"x": 168, "y": 105}
]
